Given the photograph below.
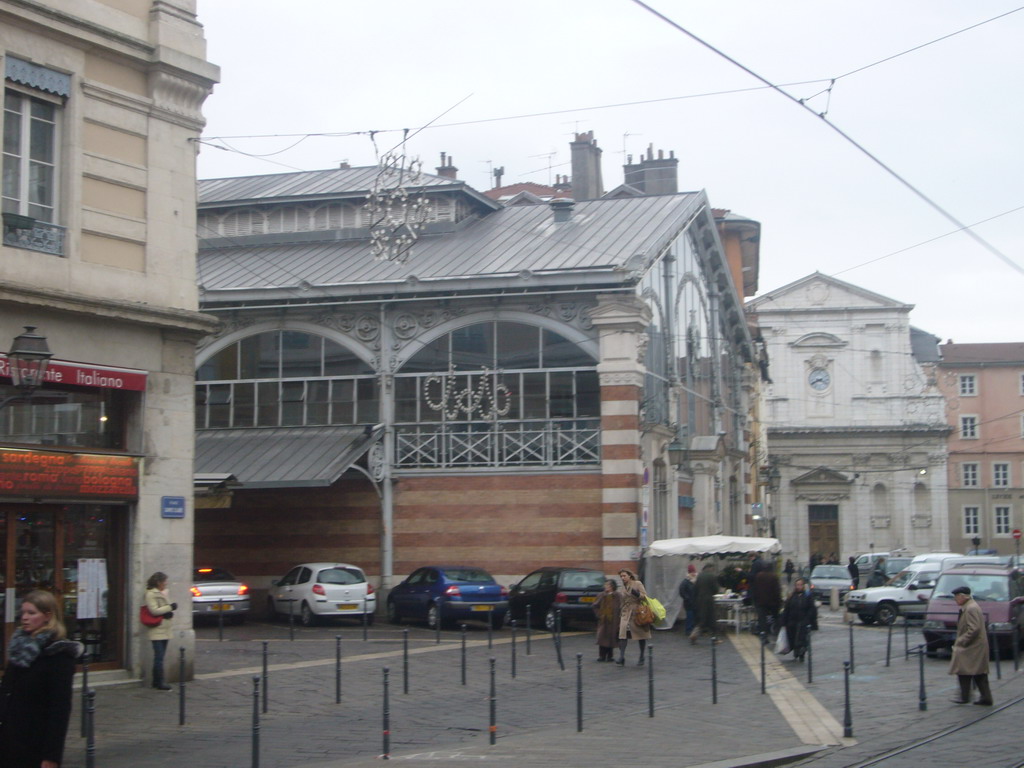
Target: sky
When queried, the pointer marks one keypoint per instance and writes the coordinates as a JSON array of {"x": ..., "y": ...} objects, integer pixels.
[{"x": 508, "y": 84}]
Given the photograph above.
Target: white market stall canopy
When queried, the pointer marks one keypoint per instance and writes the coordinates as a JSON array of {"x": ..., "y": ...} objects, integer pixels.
[
  {"x": 712, "y": 545},
  {"x": 662, "y": 572}
]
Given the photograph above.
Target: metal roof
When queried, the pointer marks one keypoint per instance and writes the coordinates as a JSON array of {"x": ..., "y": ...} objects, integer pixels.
[
  {"x": 286, "y": 457},
  {"x": 602, "y": 238},
  {"x": 301, "y": 185}
]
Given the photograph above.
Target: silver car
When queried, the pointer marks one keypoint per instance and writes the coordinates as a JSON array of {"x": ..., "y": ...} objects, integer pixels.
[
  {"x": 825, "y": 577},
  {"x": 314, "y": 591},
  {"x": 215, "y": 591}
]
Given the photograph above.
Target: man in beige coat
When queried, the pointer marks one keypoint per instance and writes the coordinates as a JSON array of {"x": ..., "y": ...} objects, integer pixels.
[{"x": 970, "y": 650}]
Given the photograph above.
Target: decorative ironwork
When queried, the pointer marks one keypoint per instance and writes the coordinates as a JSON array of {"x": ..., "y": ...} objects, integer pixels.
[
  {"x": 43, "y": 237},
  {"x": 484, "y": 399},
  {"x": 534, "y": 443},
  {"x": 396, "y": 216}
]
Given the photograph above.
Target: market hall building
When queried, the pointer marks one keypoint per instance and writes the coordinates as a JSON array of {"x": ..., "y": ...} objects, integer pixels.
[{"x": 500, "y": 387}]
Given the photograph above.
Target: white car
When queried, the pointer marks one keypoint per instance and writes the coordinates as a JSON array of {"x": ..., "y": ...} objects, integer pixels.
[
  {"x": 312, "y": 591},
  {"x": 907, "y": 594}
]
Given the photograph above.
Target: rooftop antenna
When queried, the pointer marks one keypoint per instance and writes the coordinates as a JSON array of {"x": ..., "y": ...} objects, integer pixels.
[
  {"x": 624, "y": 137},
  {"x": 550, "y": 156},
  {"x": 490, "y": 169}
]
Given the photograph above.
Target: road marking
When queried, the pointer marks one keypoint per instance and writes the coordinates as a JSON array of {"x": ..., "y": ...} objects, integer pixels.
[{"x": 812, "y": 723}]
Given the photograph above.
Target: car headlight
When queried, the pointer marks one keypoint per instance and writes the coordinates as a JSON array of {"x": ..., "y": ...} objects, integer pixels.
[
  {"x": 1001, "y": 626},
  {"x": 932, "y": 624}
]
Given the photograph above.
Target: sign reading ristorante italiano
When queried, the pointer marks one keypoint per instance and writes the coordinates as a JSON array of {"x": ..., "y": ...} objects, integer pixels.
[{"x": 41, "y": 474}]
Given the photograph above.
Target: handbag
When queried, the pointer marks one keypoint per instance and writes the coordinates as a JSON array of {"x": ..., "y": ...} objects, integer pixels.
[
  {"x": 782, "y": 643},
  {"x": 643, "y": 616},
  {"x": 148, "y": 618},
  {"x": 656, "y": 608}
]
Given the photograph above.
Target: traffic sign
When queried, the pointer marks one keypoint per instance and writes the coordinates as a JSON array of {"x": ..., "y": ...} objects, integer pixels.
[{"x": 1016, "y": 533}]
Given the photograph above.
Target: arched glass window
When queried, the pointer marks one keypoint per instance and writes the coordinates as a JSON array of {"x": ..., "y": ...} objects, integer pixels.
[
  {"x": 498, "y": 393},
  {"x": 285, "y": 378}
]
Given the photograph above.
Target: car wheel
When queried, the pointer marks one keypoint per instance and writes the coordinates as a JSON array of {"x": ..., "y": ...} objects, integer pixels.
[
  {"x": 550, "y": 618},
  {"x": 433, "y": 615},
  {"x": 867, "y": 619},
  {"x": 392, "y": 611},
  {"x": 886, "y": 614},
  {"x": 306, "y": 615}
]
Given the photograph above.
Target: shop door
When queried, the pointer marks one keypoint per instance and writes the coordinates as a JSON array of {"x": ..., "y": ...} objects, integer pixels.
[{"x": 86, "y": 540}]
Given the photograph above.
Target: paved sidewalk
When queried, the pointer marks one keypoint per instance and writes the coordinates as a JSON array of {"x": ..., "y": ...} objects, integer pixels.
[{"x": 442, "y": 722}]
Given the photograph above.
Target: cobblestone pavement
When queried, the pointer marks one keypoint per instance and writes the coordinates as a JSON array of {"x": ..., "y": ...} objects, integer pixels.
[{"x": 440, "y": 721}]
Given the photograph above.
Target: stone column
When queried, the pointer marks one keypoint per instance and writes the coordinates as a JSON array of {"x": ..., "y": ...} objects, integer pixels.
[{"x": 622, "y": 322}]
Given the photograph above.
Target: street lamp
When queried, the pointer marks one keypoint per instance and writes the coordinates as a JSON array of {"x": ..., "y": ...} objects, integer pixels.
[
  {"x": 28, "y": 360},
  {"x": 676, "y": 453}
]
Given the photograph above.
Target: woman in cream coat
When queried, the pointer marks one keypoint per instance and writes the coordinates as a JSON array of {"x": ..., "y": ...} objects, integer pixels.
[
  {"x": 159, "y": 605},
  {"x": 632, "y": 593}
]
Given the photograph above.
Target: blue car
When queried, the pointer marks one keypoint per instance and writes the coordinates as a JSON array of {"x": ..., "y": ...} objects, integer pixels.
[{"x": 448, "y": 593}]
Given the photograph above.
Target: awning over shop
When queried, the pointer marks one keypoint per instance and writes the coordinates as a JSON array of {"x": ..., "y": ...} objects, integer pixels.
[{"x": 285, "y": 457}]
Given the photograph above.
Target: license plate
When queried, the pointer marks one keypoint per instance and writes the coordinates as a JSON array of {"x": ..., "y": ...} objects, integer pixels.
[
  {"x": 222, "y": 607},
  {"x": 348, "y": 606},
  {"x": 482, "y": 607},
  {"x": 587, "y": 599}
]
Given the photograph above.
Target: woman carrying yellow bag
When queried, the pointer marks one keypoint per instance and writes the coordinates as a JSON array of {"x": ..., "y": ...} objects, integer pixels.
[{"x": 633, "y": 594}]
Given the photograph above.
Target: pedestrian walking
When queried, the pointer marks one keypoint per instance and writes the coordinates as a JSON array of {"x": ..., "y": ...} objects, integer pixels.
[
  {"x": 970, "y": 650},
  {"x": 688, "y": 591},
  {"x": 706, "y": 588},
  {"x": 35, "y": 695},
  {"x": 789, "y": 569},
  {"x": 766, "y": 595},
  {"x": 878, "y": 576},
  {"x": 632, "y": 593},
  {"x": 799, "y": 617},
  {"x": 854, "y": 572},
  {"x": 159, "y": 604},
  {"x": 608, "y": 608}
]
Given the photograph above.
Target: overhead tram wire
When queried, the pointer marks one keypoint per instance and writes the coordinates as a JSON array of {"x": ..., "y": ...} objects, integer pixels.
[{"x": 853, "y": 142}]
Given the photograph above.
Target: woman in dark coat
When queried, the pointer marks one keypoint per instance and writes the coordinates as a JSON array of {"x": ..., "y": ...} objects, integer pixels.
[
  {"x": 607, "y": 608},
  {"x": 799, "y": 617},
  {"x": 35, "y": 695}
]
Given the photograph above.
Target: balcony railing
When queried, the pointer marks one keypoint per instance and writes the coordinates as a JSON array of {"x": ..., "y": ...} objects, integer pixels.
[
  {"x": 535, "y": 443},
  {"x": 40, "y": 236}
]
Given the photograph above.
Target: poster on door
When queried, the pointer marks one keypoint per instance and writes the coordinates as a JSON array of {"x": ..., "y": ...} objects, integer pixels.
[{"x": 92, "y": 588}]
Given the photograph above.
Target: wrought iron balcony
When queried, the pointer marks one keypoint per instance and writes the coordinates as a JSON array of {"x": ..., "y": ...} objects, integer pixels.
[
  {"x": 534, "y": 443},
  {"x": 32, "y": 235}
]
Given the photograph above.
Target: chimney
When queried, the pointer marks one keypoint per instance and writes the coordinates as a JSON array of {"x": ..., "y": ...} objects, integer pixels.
[
  {"x": 446, "y": 169},
  {"x": 562, "y": 207},
  {"x": 653, "y": 175},
  {"x": 344, "y": 166},
  {"x": 586, "y": 167}
]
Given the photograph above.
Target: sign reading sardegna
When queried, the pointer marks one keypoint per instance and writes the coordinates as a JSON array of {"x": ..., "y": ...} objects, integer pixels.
[{"x": 39, "y": 474}]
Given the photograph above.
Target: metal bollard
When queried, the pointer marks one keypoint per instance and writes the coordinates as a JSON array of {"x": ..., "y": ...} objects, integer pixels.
[
  {"x": 810, "y": 657},
  {"x": 558, "y": 649},
  {"x": 437, "y": 626},
  {"x": 85, "y": 693},
  {"x": 529, "y": 630},
  {"x": 852, "y": 667},
  {"x": 512, "y": 624},
  {"x": 763, "y": 642},
  {"x": 714, "y": 669},
  {"x": 922, "y": 697},
  {"x": 888, "y": 644},
  {"x": 494, "y": 708},
  {"x": 463, "y": 628},
  {"x": 490, "y": 629},
  {"x": 906, "y": 638},
  {"x": 220, "y": 619},
  {"x": 847, "y": 713},
  {"x": 650, "y": 680},
  {"x": 386, "y": 729},
  {"x": 558, "y": 624},
  {"x": 579, "y": 692},
  {"x": 405, "y": 661},
  {"x": 266, "y": 682},
  {"x": 181, "y": 686},
  {"x": 255, "y": 722},
  {"x": 995, "y": 647},
  {"x": 337, "y": 669},
  {"x": 291, "y": 619},
  {"x": 90, "y": 729},
  {"x": 366, "y": 621},
  {"x": 1016, "y": 647}
]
